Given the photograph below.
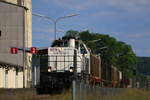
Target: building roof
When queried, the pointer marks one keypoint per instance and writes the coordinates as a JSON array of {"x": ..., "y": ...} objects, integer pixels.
[{"x": 14, "y": 4}]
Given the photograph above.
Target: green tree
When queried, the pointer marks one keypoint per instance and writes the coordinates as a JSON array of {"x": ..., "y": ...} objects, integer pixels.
[
  {"x": 126, "y": 58},
  {"x": 112, "y": 52},
  {"x": 72, "y": 33}
]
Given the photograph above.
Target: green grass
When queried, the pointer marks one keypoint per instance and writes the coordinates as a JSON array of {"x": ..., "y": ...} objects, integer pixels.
[{"x": 133, "y": 94}]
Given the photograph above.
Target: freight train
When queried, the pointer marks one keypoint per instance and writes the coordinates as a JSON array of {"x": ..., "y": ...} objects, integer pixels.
[{"x": 68, "y": 59}]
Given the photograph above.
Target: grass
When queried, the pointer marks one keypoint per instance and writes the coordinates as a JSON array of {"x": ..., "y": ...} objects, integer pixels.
[
  {"x": 133, "y": 94},
  {"x": 64, "y": 96},
  {"x": 125, "y": 94}
]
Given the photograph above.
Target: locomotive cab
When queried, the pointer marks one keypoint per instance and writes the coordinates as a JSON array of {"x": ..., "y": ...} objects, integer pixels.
[{"x": 61, "y": 58}]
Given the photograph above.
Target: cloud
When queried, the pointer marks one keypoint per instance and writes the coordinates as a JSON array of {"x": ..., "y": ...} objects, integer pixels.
[
  {"x": 106, "y": 14},
  {"x": 43, "y": 30},
  {"x": 138, "y": 35},
  {"x": 116, "y": 33},
  {"x": 127, "y": 5},
  {"x": 142, "y": 51},
  {"x": 71, "y": 4}
]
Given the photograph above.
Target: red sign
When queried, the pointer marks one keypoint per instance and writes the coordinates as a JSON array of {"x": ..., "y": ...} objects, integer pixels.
[
  {"x": 14, "y": 50},
  {"x": 33, "y": 50}
]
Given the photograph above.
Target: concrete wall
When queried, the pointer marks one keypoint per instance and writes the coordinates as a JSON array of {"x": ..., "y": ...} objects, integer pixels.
[
  {"x": 15, "y": 22},
  {"x": 12, "y": 30},
  {"x": 16, "y": 31}
]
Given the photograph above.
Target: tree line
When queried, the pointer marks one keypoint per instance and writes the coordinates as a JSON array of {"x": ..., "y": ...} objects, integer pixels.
[{"x": 112, "y": 52}]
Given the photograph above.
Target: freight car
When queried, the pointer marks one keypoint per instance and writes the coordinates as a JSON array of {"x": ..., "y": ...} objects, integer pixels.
[
  {"x": 57, "y": 66},
  {"x": 95, "y": 78},
  {"x": 116, "y": 77},
  {"x": 103, "y": 74}
]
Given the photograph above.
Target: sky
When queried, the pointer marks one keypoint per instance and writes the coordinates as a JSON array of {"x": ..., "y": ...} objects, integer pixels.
[{"x": 126, "y": 20}]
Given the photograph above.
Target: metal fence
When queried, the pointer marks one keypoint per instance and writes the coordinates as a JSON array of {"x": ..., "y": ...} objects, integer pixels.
[{"x": 83, "y": 91}]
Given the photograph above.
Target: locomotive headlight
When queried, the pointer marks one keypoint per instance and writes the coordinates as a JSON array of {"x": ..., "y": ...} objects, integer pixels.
[
  {"x": 49, "y": 69},
  {"x": 71, "y": 69}
]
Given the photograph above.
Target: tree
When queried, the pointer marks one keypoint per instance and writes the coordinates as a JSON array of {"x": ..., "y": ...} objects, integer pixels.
[
  {"x": 72, "y": 33},
  {"x": 112, "y": 52},
  {"x": 126, "y": 58}
]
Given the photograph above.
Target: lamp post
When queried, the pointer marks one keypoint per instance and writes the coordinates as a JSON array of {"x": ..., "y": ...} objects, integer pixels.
[{"x": 54, "y": 20}]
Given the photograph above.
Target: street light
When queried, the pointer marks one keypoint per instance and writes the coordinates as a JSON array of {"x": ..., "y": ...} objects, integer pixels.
[{"x": 54, "y": 20}]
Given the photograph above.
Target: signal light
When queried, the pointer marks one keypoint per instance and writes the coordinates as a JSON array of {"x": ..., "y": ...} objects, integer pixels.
[
  {"x": 14, "y": 50},
  {"x": 33, "y": 50}
]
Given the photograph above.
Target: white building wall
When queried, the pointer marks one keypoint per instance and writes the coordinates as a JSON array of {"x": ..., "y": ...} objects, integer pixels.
[
  {"x": 20, "y": 80},
  {"x": 11, "y": 80},
  {"x": 1, "y": 77}
]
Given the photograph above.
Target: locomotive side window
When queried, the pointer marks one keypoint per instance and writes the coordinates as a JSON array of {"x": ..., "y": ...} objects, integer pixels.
[
  {"x": 77, "y": 44},
  {"x": 82, "y": 49}
]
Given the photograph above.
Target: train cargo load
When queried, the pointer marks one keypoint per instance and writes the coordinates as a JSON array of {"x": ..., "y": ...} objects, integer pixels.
[{"x": 95, "y": 69}]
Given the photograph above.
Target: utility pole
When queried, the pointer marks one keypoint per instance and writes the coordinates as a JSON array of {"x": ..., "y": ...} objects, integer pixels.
[
  {"x": 74, "y": 76},
  {"x": 24, "y": 32}
]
